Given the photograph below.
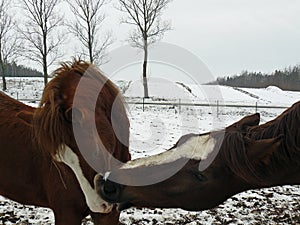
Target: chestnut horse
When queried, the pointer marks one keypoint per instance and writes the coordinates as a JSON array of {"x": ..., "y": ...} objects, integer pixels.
[
  {"x": 247, "y": 156},
  {"x": 41, "y": 163}
]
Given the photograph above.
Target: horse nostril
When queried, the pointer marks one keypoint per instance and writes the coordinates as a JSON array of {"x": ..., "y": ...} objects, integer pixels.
[
  {"x": 107, "y": 207},
  {"x": 109, "y": 188},
  {"x": 110, "y": 191}
]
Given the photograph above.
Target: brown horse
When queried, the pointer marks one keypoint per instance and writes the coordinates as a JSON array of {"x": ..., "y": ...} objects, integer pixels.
[
  {"x": 41, "y": 163},
  {"x": 217, "y": 166}
]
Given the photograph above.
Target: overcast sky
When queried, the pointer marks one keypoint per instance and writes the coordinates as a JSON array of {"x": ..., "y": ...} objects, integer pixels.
[
  {"x": 234, "y": 35},
  {"x": 227, "y": 35}
]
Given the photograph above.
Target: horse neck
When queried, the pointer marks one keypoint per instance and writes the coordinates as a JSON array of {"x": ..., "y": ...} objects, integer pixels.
[
  {"x": 279, "y": 178},
  {"x": 276, "y": 173}
]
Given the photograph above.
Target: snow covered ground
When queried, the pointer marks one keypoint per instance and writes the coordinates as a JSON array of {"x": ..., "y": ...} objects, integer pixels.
[{"x": 158, "y": 127}]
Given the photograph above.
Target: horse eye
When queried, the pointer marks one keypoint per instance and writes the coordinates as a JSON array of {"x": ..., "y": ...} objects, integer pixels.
[{"x": 199, "y": 176}]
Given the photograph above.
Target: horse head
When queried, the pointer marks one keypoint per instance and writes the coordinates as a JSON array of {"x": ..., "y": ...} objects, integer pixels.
[
  {"x": 81, "y": 121},
  {"x": 214, "y": 167}
]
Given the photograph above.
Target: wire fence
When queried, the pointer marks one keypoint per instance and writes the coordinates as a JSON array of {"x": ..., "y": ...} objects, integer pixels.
[
  {"x": 179, "y": 103},
  {"x": 217, "y": 104}
]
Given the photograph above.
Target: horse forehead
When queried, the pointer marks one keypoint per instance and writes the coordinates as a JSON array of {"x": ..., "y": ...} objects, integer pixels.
[
  {"x": 72, "y": 84},
  {"x": 195, "y": 147}
]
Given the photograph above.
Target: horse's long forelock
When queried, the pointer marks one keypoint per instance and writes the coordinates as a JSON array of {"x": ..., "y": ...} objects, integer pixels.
[{"x": 49, "y": 129}]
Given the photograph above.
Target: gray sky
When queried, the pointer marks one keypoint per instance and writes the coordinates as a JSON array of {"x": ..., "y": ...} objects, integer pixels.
[
  {"x": 227, "y": 35},
  {"x": 234, "y": 35}
]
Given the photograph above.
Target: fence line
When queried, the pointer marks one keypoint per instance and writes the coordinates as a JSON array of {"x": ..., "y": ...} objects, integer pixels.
[
  {"x": 180, "y": 104},
  {"x": 206, "y": 104}
]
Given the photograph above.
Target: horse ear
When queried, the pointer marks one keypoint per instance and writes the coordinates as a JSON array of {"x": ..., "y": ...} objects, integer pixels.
[
  {"x": 262, "y": 150},
  {"x": 73, "y": 114},
  {"x": 246, "y": 122},
  {"x": 26, "y": 117}
]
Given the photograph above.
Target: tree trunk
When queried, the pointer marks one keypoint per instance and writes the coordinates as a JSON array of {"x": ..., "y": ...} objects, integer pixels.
[
  {"x": 145, "y": 82},
  {"x": 91, "y": 52},
  {"x": 4, "y": 87},
  {"x": 2, "y": 70},
  {"x": 90, "y": 44},
  {"x": 45, "y": 69}
]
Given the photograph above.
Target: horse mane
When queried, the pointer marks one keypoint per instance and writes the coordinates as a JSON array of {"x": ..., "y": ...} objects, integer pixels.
[
  {"x": 51, "y": 129},
  {"x": 233, "y": 153},
  {"x": 287, "y": 126}
]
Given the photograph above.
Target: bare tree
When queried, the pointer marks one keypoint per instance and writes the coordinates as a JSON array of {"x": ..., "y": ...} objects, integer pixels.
[
  {"x": 9, "y": 42},
  {"x": 40, "y": 31},
  {"x": 145, "y": 15},
  {"x": 88, "y": 19}
]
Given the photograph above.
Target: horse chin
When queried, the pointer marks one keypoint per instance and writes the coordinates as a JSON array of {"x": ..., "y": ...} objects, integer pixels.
[{"x": 124, "y": 205}]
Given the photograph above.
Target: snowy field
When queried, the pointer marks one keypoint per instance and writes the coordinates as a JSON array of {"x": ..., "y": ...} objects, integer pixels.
[{"x": 157, "y": 128}]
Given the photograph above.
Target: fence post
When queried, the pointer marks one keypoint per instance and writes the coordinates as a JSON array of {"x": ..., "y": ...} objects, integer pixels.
[
  {"x": 179, "y": 106},
  {"x": 217, "y": 108},
  {"x": 17, "y": 95},
  {"x": 255, "y": 107},
  {"x": 143, "y": 104}
]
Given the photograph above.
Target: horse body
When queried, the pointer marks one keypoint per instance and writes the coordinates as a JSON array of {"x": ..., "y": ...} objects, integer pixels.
[
  {"x": 33, "y": 143},
  {"x": 18, "y": 154},
  {"x": 243, "y": 156}
]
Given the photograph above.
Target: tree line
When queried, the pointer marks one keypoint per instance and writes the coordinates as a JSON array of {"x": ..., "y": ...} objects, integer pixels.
[
  {"x": 286, "y": 79},
  {"x": 14, "y": 70},
  {"x": 43, "y": 30}
]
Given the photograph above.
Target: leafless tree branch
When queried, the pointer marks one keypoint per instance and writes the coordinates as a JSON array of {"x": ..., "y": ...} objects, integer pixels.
[
  {"x": 145, "y": 16},
  {"x": 86, "y": 25},
  {"x": 40, "y": 31}
]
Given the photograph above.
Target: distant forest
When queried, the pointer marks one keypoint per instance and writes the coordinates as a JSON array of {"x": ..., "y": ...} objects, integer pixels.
[
  {"x": 14, "y": 70},
  {"x": 287, "y": 79}
]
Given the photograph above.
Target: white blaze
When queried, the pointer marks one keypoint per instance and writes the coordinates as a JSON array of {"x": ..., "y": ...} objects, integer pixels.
[
  {"x": 93, "y": 200},
  {"x": 196, "y": 147}
]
